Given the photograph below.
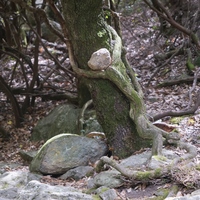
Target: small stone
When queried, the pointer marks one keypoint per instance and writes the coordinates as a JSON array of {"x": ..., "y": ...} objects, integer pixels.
[
  {"x": 100, "y": 60},
  {"x": 108, "y": 195},
  {"x": 78, "y": 173},
  {"x": 27, "y": 156}
]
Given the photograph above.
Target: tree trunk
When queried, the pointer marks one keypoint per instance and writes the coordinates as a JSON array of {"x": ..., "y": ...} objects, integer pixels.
[{"x": 115, "y": 92}]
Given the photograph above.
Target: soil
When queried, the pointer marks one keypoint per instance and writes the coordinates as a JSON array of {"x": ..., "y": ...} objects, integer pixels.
[{"x": 142, "y": 41}]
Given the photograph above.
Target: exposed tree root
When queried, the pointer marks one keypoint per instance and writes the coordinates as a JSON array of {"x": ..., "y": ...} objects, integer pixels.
[
  {"x": 81, "y": 116},
  {"x": 117, "y": 74},
  {"x": 177, "y": 170},
  {"x": 135, "y": 175}
]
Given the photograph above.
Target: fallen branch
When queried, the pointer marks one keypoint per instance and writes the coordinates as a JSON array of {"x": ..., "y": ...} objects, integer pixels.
[
  {"x": 178, "y": 113},
  {"x": 177, "y": 81},
  {"x": 136, "y": 175},
  {"x": 148, "y": 175}
]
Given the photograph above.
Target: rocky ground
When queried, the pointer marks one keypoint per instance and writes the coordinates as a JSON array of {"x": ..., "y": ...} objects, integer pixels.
[{"x": 142, "y": 42}]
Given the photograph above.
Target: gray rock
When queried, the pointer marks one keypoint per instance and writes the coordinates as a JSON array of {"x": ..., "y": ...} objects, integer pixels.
[
  {"x": 109, "y": 179},
  {"x": 162, "y": 161},
  {"x": 37, "y": 191},
  {"x": 58, "y": 121},
  {"x": 63, "y": 119},
  {"x": 196, "y": 197},
  {"x": 196, "y": 192},
  {"x": 4, "y": 166},
  {"x": 11, "y": 183},
  {"x": 47, "y": 34},
  {"x": 106, "y": 193},
  {"x": 66, "y": 151},
  {"x": 17, "y": 178},
  {"x": 100, "y": 59},
  {"x": 13, "y": 179},
  {"x": 78, "y": 173},
  {"x": 141, "y": 160},
  {"x": 6, "y": 194},
  {"x": 136, "y": 161},
  {"x": 23, "y": 185}
]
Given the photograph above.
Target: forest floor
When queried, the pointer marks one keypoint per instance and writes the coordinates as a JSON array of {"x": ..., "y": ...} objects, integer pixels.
[{"x": 142, "y": 41}]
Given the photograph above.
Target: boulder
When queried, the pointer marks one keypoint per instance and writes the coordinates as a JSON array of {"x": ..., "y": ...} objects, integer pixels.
[
  {"x": 63, "y": 119},
  {"x": 11, "y": 183},
  {"x": 16, "y": 179},
  {"x": 66, "y": 151},
  {"x": 37, "y": 191},
  {"x": 7, "y": 194},
  {"x": 23, "y": 185}
]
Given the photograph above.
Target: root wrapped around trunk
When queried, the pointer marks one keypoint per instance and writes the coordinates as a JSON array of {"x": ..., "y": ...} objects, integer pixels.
[{"x": 117, "y": 74}]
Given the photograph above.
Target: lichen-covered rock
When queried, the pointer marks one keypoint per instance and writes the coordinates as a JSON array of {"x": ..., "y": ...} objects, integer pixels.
[
  {"x": 109, "y": 194},
  {"x": 109, "y": 179},
  {"x": 100, "y": 59},
  {"x": 66, "y": 151},
  {"x": 27, "y": 156},
  {"x": 23, "y": 185},
  {"x": 63, "y": 119},
  {"x": 13, "y": 181},
  {"x": 36, "y": 190}
]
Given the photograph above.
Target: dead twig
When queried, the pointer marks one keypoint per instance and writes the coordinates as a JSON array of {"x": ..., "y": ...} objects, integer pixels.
[
  {"x": 178, "y": 113},
  {"x": 193, "y": 87}
]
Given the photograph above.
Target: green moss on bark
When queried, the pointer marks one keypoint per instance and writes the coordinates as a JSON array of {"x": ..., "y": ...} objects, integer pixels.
[{"x": 112, "y": 109}]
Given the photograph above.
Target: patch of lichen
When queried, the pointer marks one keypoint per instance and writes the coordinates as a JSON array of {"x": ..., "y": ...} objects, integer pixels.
[
  {"x": 96, "y": 197},
  {"x": 159, "y": 157},
  {"x": 146, "y": 175},
  {"x": 157, "y": 172},
  {"x": 143, "y": 175},
  {"x": 176, "y": 120},
  {"x": 161, "y": 194},
  {"x": 198, "y": 167}
]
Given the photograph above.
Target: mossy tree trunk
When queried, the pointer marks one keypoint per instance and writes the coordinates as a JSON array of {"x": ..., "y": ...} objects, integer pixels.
[{"x": 115, "y": 92}]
